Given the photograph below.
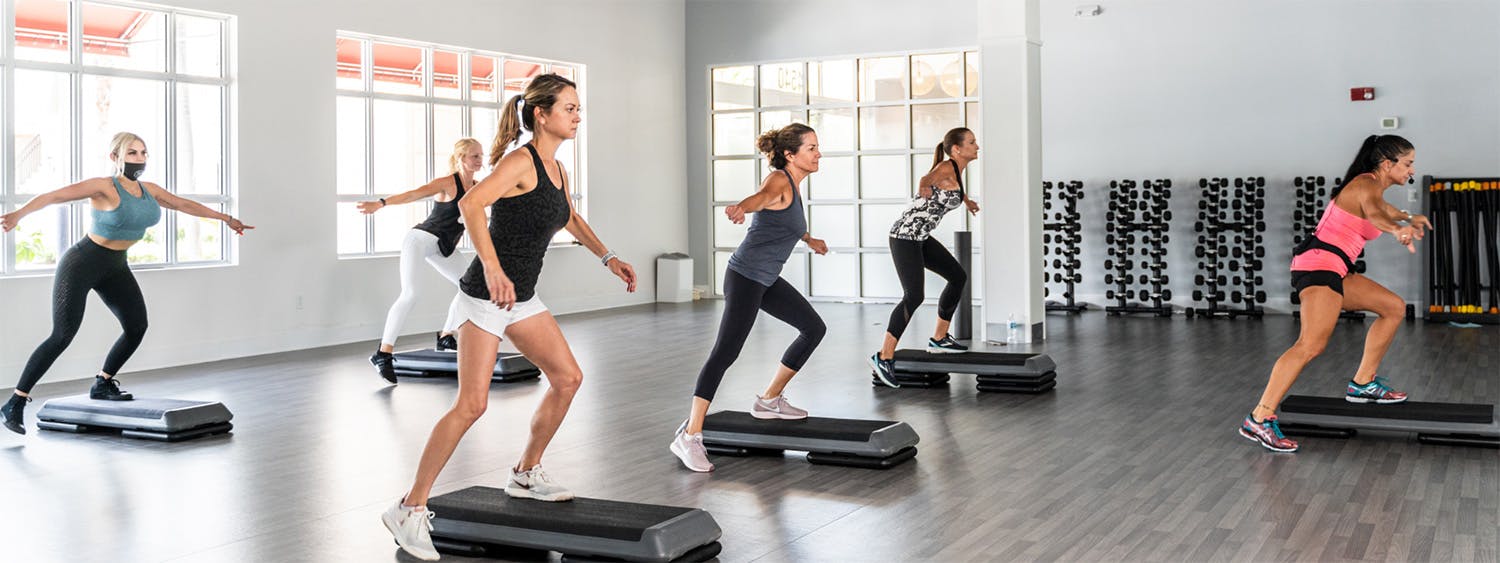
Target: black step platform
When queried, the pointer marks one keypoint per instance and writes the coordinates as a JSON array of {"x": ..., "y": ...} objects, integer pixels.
[
  {"x": 999, "y": 372},
  {"x": 1435, "y": 423},
  {"x": 509, "y": 366},
  {"x": 486, "y": 522},
  {"x": 167, "y": 420},
  {"x": 872, "y": 444}
]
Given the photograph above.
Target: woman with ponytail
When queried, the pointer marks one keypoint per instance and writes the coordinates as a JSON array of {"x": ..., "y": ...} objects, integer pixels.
[
  {"x": 434, "y": 241},
  {"x": 914, "y": 250},
  {"x": 528, "y": 202},
  {"x": 1325, "y": 284},
  {"x": 753, "y": 283}
]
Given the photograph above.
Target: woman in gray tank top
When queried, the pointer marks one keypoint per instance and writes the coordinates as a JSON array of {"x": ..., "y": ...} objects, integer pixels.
[{"x": 753, "y": 283}]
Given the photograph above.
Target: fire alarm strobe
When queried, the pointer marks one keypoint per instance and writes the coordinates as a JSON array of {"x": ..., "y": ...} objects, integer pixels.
[{"x": 1361, "y": 94}]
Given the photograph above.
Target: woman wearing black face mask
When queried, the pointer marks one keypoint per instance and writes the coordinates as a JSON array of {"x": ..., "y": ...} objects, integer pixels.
[{"x": 123, "y": 208}]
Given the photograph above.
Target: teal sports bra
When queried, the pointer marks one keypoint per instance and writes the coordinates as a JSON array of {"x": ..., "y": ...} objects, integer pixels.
[{"x": 130, "y": 220}]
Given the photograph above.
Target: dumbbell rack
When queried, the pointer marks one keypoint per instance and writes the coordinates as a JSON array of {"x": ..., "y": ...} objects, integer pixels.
[
  {"x": 1138, "y": 209},
  {"x": 1462, "y": 248},
  {"x": 1230, "y": 232},
  {"x": 1060, "y": 220},
  {"x": 1311, "y": 199}
]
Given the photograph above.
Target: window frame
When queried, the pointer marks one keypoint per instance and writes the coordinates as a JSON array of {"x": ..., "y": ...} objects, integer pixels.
[
  {"x": 80, "y": 159},
  {"x": 466, "y": 105}
]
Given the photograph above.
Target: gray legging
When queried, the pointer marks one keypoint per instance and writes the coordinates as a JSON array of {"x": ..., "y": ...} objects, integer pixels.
[
  {"x": 743, "y": 299},
  {"x": 88, "y": 266}
]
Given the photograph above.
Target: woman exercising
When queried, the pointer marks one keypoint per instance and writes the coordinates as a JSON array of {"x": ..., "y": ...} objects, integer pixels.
[
  {"x": 123, "y": 208},
  {"x": 914, "y": 250},
  {"x": 434, "y": 240},
  {"x": 1322, "y": 278},
  {"x": 528, "y": 201},
  {"x": 753, "y": 283}
]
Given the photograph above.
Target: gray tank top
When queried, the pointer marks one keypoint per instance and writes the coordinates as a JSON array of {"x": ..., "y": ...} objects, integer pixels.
[{"x": 769, "y": 242}]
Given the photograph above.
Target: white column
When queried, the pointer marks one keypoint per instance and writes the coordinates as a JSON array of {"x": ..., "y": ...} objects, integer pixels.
[{"x": 1010, "y": 141}]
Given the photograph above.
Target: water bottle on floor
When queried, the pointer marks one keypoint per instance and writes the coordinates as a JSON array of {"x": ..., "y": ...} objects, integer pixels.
[{"x": 1013, "y": 333}]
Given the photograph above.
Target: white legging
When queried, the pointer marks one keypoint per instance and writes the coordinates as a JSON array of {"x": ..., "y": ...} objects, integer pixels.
[{"x": 419, "y": 245}]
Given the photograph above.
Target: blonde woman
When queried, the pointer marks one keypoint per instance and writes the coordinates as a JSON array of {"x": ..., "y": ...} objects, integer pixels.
[
  {"x": 434, "y": 240},
  {"x": 123, "y": 207}
]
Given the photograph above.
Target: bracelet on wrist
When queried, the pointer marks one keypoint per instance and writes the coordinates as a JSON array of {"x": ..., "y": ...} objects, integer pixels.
[
  {"x": 383, "y": 203},
  {"x": 606, "y": 258}
]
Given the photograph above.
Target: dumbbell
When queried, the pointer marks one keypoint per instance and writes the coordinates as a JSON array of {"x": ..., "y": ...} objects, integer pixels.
[
  {"x": 1143, "y": 278},
  {"x": 1198, "y": 295},
  {"x": 1260, "y": 297},
  {"x": 1059, "y": 264},
  {"x": 1164, "y": 295}
]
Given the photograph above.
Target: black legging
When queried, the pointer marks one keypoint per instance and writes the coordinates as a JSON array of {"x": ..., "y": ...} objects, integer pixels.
[
  {"x": 911, "y": 258},
  {"x": 743, "y": 299},
  {"x": 88, "y": 266}
]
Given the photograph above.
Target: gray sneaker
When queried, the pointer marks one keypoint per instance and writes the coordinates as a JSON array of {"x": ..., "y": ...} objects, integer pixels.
[
  {"x": 689, "y": 448},
  {"x": 535, "y": 484},
  {"x": 412, "y": 530},
  {"x": 776, "y": 408}
]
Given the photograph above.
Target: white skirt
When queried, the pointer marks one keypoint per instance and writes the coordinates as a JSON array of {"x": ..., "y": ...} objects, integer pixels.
[{"x": 489, "y": 317}]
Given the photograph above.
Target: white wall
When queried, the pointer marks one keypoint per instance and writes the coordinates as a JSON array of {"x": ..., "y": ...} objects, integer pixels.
[
  {"x": 1177, "y": 89},
  {"x": 285, "y": 175}
]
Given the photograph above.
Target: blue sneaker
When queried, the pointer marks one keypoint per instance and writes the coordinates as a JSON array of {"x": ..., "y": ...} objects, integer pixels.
[
  {"x": 945, "y": 346},
  {"x": 1373, "y": 392},
  {"x": 884, "y": 371}
]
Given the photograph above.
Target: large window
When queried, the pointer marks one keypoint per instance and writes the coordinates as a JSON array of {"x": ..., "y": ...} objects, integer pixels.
[
  {"x": 401, "y": 106},
  {"x": 72, "y": 74},
  {"x": 878, "y": 120}
]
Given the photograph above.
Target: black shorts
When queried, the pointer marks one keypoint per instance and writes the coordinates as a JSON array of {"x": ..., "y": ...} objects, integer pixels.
[{"x": 1304, "y": 279}]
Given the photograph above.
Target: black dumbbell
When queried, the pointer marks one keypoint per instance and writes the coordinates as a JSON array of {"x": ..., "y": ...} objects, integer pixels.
[{"x": 1164, "y": 295}]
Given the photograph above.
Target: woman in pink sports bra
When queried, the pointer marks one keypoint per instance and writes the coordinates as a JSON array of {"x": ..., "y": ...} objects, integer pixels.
[{"x": 1358, "y": 213}]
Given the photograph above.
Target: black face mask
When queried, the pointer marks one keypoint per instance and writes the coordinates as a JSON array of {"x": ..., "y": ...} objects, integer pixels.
[{"x": 134, "y": 170}]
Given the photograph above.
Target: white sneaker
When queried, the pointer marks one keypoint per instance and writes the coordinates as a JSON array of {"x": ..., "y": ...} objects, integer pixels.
[
  {"x": 535, "y": 484},
  {"x": 412, "y": 530},
  {"x": 776, "y": 408},
  {"x": 689, "y": 448}
]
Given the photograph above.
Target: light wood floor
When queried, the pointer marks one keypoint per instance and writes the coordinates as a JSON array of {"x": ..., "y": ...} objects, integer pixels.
[{"x": 1134, "y": 457}]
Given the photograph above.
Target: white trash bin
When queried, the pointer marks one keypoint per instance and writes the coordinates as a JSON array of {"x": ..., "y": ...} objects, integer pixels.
[{"x": 674, "y": 278}]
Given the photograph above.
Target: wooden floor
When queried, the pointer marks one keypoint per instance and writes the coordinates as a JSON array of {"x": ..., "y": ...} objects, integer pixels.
[{"x": 1134, "y": 457}]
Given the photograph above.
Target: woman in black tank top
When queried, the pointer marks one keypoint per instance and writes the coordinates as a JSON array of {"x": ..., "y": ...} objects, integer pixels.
[
  {"x": 434, "y": 240},
  {"x": 528, "y": 207}
]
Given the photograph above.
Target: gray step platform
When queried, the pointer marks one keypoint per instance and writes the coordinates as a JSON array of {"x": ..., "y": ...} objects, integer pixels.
[
  {"x": 486, "y": 522},
  {"x": 873, "y": 444},
  {"x": 1435, "y": 423},
  {"x": 509, "y": 366},
  {"x": 168, "y": 420},
  {"x": 999, "y": 372}
]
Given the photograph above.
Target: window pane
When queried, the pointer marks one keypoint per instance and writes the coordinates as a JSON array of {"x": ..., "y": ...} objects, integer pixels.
[
  {"x": 447, "y": 129},
  {"x": 921, "y": 164},
  {"x": 971, "y": 73},
  {"x": 972, "y": 117},
  {"x": 735, "y": 180},
  {"x": 113, "y": 104},
  {"x": 392, "y": 224},
  {"x": 200, "y": 162},
  {"x": 834, "y": 180},
  {"x": 43, "y": 142},
  {"x": 929, "y": 122},
  {"x": 351, "y": 229},
  {"x": 482, "y": 125},
  {"x": 400, "y": 159},
  {"x": 482, "y": 79},
  {"x": 119, "y": 37},
  {"x": 733, "y": 134},
  {"x": 41, "y": 238},
  {"x": 878, "y": 276},
  {"x": 937, "y": 76},
  {"x": 397, "y": 69},
  {"x": 199, "y": 239},
  {"x": 153, "y": 248},
  {"x": 350, "y": 139},
  {"x": 835, "y": 128},
  {"x": 518, "y": 75},
  {"x": 795, "y": 271},
  {"x": 883, "y": 177},
  {"x": 875, "y": 222},
  {"x": 199, "y": 46},
  {"x": 726, "y": 233},
  {"x": 445, "y": 78},
  {"x": 830, "y": 82},
  {"x": 781, "y": 85},
  {"x": 882, "y": 127},
  {"x": 834, "y": 275},
  {"x": 835, "y": 224},
  {"x": 350, "y": 72},
  {"x": 563, "y": 71},
  {"x": 42, "y": 30},
  {"x": 882, "y": 79},
  {"x": 776, "y": 119},
  {"x": 721, "y": 264},
  {"x": 734, "y": 87}
]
